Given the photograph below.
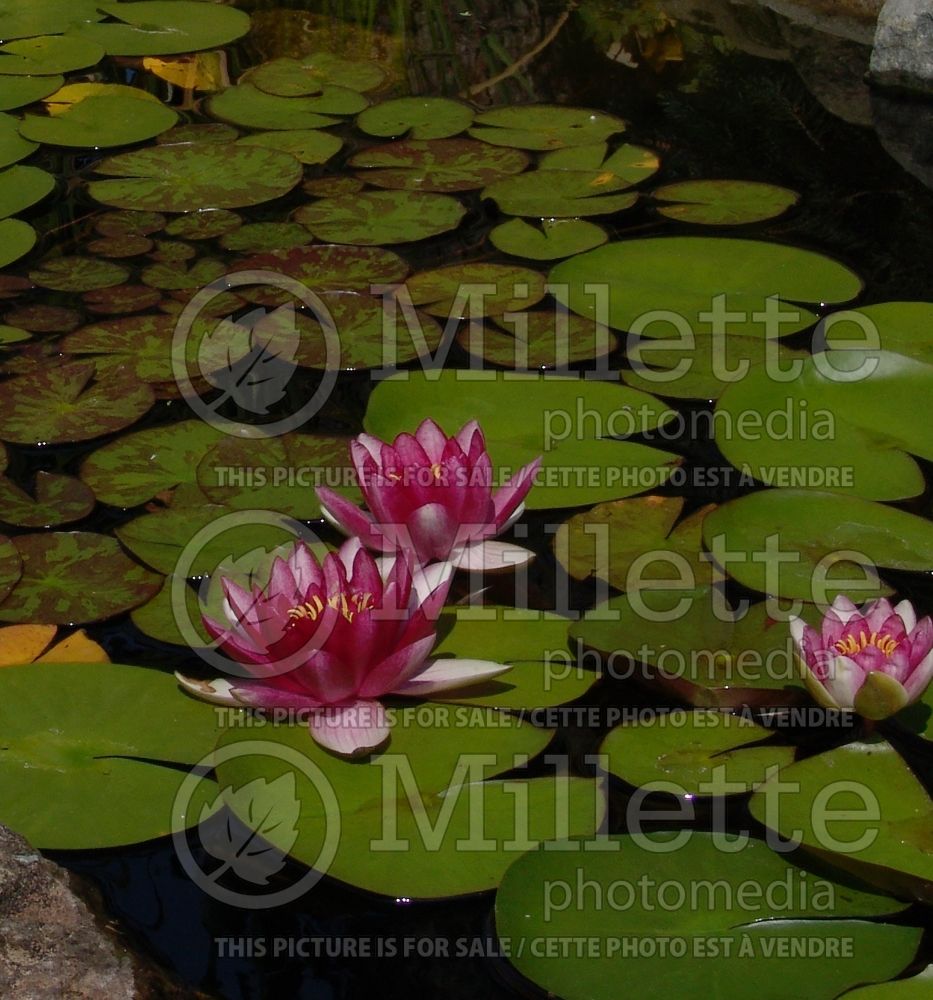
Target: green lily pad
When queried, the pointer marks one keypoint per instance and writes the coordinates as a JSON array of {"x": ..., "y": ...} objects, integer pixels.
[
  {"x": 900, "y": 327},
  {"x": 11, "y": 566},
  {"x": 75, "y": 577},
  {"x": 918, "y": 717},
  {"x": 562, "y": 193},
  {"x": 307, "y": 145},
  {"x": 249, "y": 106},
  {"x": 629, "y": 163},
  {"x": 70, "y": 403},
  {"x": 860, "y": 806},
  {"x": 852, "y": 536},
  {"x": 13, "y": 335},
  {"x": 723, "y": 203},
  {"x": 556, "y": 238},
  {"x": 13, "y": 146},
  {"x": 847, "y": 422},
  {"x": 164, "y": 27},
  {"x": 259, "y": 236},
  {"x": 500, "y": 288},
  {"x": 156, "y": 618},
  {"x": 187, "y": 178},
  {"x": 17, "y": 238},
  {"x": 44, "y": 17},
  {"x": 100, "y": 121},
  {"x": 375, "y": 217},
  {"x": 416, "y": 118},
  {"x": 542, "y": 340},
  {"x": 698, "y": 753},
  {"x": 545, "y": 126},
  {"x": 437, "y": 164},
  {"x": 56, "y": 500},
  {"x": 81, "y": 762},
  {"x": 915, "y": 988},
  {"x": 703, "y": 367},
  {"x": 200, "y": 132},
  {"x": 18, "y": 91},
  {"x": 310, "y": 75},
  {"x": 21, "y": 187},
  {"x": 533, "y": 642},
  {"x": 684, "y": 274},
  {"x": 632, "y": 544},
  {"x": 48, "y": 55},
  {"x": 77, "y": 274},
  {"x": 139, "y": 466},
  {"x": 433, "y": 856},
  {"x": 682, "y": 642},
  {"x": 751, "y": 924},
  {"x": 583, "y": 467},
  {"x": 283, "y": 472},
  {"x": 329, "y": 266},
  {"x": 204, "y": 224},
  {"x": 121, "y": 298},
  {"x": 332, "y": 187}
]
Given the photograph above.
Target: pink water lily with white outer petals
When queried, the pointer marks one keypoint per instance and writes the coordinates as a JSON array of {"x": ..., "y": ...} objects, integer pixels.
[
  {"x": 875, "y": 660},
  {"x": 330, "y": 640},
  {"x": 433, "y": 494}
]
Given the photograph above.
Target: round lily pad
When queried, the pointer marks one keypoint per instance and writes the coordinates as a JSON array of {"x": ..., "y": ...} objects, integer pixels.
[
  {"x": 172, "y": 251},
  {"x": 204, "y": 224},
  {"x": 259, "y": 236},
  {"x": 120, "y": 246},
  {"x": 156, "y": 618},
  {"x": 307, "y": 145},
  {"x": 684, "y": 275},
  {"x": 742, "y": 920},
  {"x": 698, "y": 753},
  {"x": 915, "y": 988},
  {"x": 900, "y": 327},
  {"x": 376, "y": 217},
  {"x": 186, "y": 178},
  {"x": 498, "y": 288},
  {"x": 13, "y": 335},
  {"x": 628, "y": 163},
  {"x": 13, "y": 146},
  {"x": 11, "y": 565},
  {"x": 327, "y": 266},
  {"x": 44, "y": 17},
  {"x": 70, "y": 403},
  {"x": 75, "y": 577},
  {"x": 48, "y": 55},
  {"x": 861, "y": 807},
  {"x": 77, "y": 274},
  {"x": 121, "y": 299},
  {"x": 249, "y": 106},
  {"x": 437, "y": 164},
  {"x": 332, "y": 187},
  {"x": 56, "y": 500},
  {"x": 142, "y": 344},
  {"x": 174, "y": 276},
  {"x": 723, "y": 203},
  {"x": 85, "y": 749},
  {"x": 848, "y": 535},
  {"x": 199, "y": 132},
  {"x": 103, "y": 120},
  {"x": 545, "y": 126},
  {"x": 44, "y": 319},
  {"x": 17, "y": 238},
  {"x": 555, "y": 238},
  {"x": 310, "y": 75},
  {"x": 18, "y": 91},
  {"x": 163, "y": 27},
  {"x": 139, "y": 466},
  {"x": 416, "y": 118},
  {"x": 562, "y": 193},
  {"x": 129, "y": 223}
]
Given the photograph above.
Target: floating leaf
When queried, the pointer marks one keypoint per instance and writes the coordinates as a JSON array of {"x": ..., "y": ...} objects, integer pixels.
[
  {"x": 556, "y": 238},
  {"x": 376, "y": 217},
  {"x": 900, "y": 327},
  {"x": 723, "y": 203},
  {"x": 101, "y": 121},
  {"x": 332, "y": 187},
  {"x": 119, "y": 246},
  {"x": 70, "y": 403},
  {"x": 17, "y": 238},
  {"x": 164, "y": 27},
  {"x": 437, "y": 164},
  {"x": 48, "y": 55},
  {"x": 416, "y": 118},
  {"x": 18, "y": 91},
  {"x": 499, "y": 288},
  {"x": 861, "y": 807},
  {"x": 77, "y": 274},
  {"x": 735, "y": 932},
  {"x": 186, "y": 178},
  {"x": 156, "y": 618},
  {"x": 177, "y": 277},
  {"x": 13, "y": 146},
  {"x": 310, "y": 75},
  {"x": 57, "y": 500},
  {"x": 544, "y": 126},
  {"x": 121, "y": 298},
  {"x": 81, "y": 764},
  {"x": 199, "y": 132},
  {"x": 44, "y": 319},
  {"x": 13, "y": 335},
  {"x": 684, "y": 275},
  {"x": 249, "y": 106},
  {"x": 848, "y": 536},
  {"x": 44, "y": 17},
  {"x": 21, "y": 644},
  {"x": 307, "y": 145},
  {"x": 344, "y": 268},
  {"x": 627, "y": 163},
  {"x": 561, "y": 193},
  {"x": 204, "y": 71},
  {"x": 915, "y": 988},
  {"x": 75, "y": 577},
  {"x": 11, "y": 565},
  {"x": 21, "y": 187},
  {"x": 579, "y": 465},
  {"x": 204, "y": 224},
  {"x": 129, "y": 223},
  {"x": 258, "y": 236}
]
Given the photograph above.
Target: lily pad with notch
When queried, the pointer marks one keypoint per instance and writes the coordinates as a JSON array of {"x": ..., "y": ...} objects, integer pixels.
[
  {"x": 544, "y": 126},
  {"x": 55, "y": 499},
  {"x": 722, "y": 202},
  {"x": 249, "y": 106},
  {"x": 554, "y": 239},
  {"x": 416, "y": 118}
]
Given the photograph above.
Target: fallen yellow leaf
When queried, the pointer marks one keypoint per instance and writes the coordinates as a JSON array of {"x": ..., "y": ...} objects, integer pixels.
[{"x": 21, "y": 644}]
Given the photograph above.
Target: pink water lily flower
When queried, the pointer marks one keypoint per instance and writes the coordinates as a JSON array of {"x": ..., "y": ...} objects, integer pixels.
[
  {"x": 330, "y": 640},
  {"x": 433, "y": 494},
  {"x": 875, "y": 660}
]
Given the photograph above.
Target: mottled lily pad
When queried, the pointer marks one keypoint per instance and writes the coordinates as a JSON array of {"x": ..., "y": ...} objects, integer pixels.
[
  {"x": 120, "y": 246},
  {"x": 177, "y": 277},
  {"x": 258, "y": 236},
  {"x": 476, "y": 289},
  {"x": 416, "y": 118},
  {"x": 129, "y": 223},
  {"x": 70, "y": 403},
  {"x": 11, "y": 564},
  {"x": 186, "y": 178},
  {"x": 332, "y": 187},
  {"x": 17, "y": 238},
  {"x": 44, "y": 319},
  {"x": 437, "y": 164},
  {"x": 301, "y": 77},
  {"x": 56, "y": 500},
  {"x": 328, "y": 266},
  {"x": 204, "y": 224},
  {"x": 199, "y": 132},
  {"x": 121, "y": 298},
  {"x": 77, "y": 274},
  {"x": 307, "y": 145},
  {"x": 376, "y": 217},
  {"x": 545, "y": 126},
  {"x": 143, "y": 344},
  {"x": 22, "y": 186},
  {"x": 163, "y": 27},
  {"x": 723, "y": 203},
  {"x": 554, "y": 239},
  {"x": 75, "y": 577},
  {"x": 48, "y": 55},
  {"x": 249, "y": 106},
  {"x": 105, "y": 120}
]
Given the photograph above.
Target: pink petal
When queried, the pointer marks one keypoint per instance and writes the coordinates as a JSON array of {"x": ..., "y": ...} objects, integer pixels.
[
  {"x": 346, "y": 516},
  {"x": 396, "y": 668},
  {"x": 509, "y": 496},
  {"x": 844, "y": 680},
  {"x": 491, "y": 556},
  {"x": 918, "y": 680},
  {"x": 305, "y": 568},
  {"x": 432, "y": 439},
  {"x": 351, "y": 729},
  {"x": 877, "y": 613},
  {"x": 449, "y": 674},
  {"x": 433, "y": 531},
  {"x": 256, "y": 694},
  {"x": 908, "y": 616}
]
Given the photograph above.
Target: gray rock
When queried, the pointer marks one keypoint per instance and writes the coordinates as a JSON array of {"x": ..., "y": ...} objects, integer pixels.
[
  {"x": 903, "y": 54},
  {"x": 905, "y": 129}
]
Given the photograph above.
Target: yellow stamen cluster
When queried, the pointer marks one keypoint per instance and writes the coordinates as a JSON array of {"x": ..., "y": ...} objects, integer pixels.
[
  {"x": 347, "y": 604},
  {"x": 850, "y": 645}
]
